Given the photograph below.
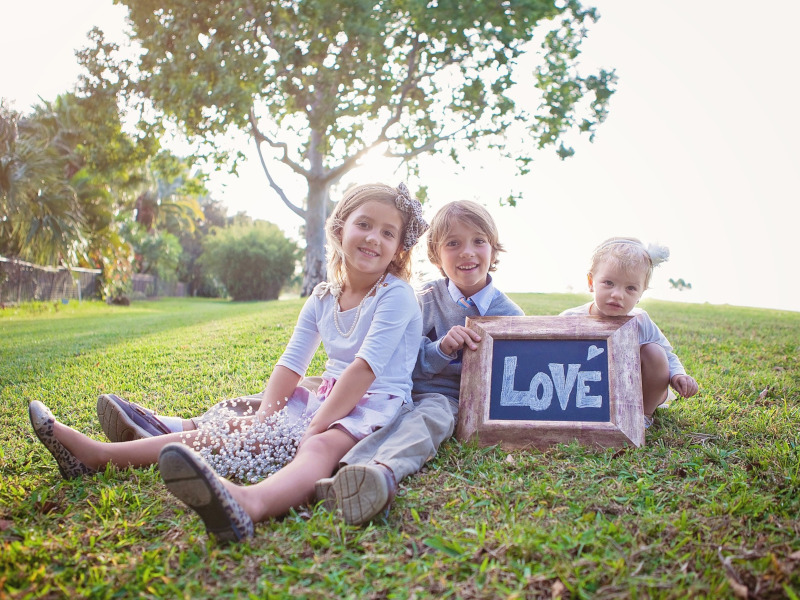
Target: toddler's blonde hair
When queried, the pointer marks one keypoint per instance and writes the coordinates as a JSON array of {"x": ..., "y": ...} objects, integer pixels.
[{"x": 631, "y": 255}]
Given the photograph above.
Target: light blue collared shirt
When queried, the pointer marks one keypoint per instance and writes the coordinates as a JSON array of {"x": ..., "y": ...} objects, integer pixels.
[{"x": 482, "y": 299}]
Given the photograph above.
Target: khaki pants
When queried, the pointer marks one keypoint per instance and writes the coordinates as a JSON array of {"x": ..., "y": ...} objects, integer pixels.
[{"x": 411, "y": 439}]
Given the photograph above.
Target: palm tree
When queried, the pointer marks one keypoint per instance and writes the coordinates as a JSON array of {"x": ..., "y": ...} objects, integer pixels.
[
  {"x": 40, "y": 219},
  {"x": 170, "y": 200}
]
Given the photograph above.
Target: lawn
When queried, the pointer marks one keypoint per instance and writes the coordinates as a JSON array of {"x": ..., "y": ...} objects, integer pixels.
[{"x": 708, "y": 508}]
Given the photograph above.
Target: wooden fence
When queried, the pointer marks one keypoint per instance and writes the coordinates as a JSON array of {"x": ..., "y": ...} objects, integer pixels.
[{"x": 25, "y": 282}]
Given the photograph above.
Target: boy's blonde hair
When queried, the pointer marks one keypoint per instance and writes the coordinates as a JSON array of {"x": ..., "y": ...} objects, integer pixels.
[
  {"x": 397, "y": 198},
  {"x": 631, "y": 255},
  {"x": 470, "y": 213}
]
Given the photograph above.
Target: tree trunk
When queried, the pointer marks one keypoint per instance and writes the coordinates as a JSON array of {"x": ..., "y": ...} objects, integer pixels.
[{"x": 315, "y": 263}]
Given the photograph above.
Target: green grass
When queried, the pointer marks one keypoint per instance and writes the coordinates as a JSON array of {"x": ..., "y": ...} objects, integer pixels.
[{"x": 709, "y": 508}]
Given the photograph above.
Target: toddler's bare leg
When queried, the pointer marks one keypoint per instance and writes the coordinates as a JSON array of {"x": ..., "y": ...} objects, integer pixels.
[{"x": 655, "y": 377}]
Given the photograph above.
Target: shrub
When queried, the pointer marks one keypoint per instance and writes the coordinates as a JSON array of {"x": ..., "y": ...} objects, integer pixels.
[{"x": 252, "y": 261}]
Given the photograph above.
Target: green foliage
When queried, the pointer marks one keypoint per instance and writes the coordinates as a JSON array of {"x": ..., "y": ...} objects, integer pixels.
[
  {"x": 170, "y": 198},
  {"x": 157, "y": 253},
  {"x": 41, "y": 219},
  {"x": 706, "y": 509},
  {"x": 334, "y": 66},
  {"x": 320, "y": 83},
  {"x": 679, "y": 284},
  {"x": 69, "y": 179},
  {"x": 253, "y": 262},
  {"x": 65, "y": 171},
  {"x": 190, "y": 270}
]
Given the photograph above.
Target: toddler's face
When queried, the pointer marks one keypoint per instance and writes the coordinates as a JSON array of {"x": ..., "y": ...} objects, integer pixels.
[
  {"x": 616, "y": 290},
  {"x": 466, "y": 256}
]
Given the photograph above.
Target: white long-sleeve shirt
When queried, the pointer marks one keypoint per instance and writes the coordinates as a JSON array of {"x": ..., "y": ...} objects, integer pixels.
[{"x": 386, "y": 336}]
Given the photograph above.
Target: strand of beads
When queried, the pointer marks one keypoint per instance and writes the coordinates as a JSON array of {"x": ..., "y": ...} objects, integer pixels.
[
  {"x": 338, "y": 309},
  {"x": 248, "y": 452}
]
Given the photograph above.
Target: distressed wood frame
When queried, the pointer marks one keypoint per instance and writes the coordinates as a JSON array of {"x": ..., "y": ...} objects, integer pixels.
[{"x": 626, "y": 424}]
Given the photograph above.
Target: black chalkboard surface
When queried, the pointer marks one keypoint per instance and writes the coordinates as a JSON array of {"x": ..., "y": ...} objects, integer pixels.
[
  {"x": 550, "y": 380},
  {"x": 538, "y": 381}
]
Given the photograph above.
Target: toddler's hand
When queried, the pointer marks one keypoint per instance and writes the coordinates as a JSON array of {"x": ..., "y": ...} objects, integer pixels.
[
  {"x": 686, "y": 386},
  {"x": 458, "y": 337}
]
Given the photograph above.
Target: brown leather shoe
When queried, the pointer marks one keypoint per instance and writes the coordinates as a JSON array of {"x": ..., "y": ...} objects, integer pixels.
[
  {"x": 123, "y": 421},
  {"x": 363, "y": 492}
]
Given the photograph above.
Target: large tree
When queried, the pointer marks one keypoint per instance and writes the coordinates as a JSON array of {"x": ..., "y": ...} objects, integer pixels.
[{"x": 320, "y": 83}]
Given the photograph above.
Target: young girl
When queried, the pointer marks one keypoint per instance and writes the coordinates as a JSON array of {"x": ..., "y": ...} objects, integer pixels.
[
  {"x": 619, "y": 275},
  {"x": 369, "y": 322}
]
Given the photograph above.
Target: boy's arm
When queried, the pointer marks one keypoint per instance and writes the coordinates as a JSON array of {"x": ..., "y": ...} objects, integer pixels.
[
  {"x": 430, "y": 360},
  {"x": 434, "y": 356}
]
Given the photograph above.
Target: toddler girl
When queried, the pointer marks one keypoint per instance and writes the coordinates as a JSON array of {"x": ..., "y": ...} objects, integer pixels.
[{"x": 619, "y": 275}]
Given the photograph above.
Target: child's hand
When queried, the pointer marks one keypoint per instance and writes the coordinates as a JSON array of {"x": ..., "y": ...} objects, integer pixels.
[
  {"x": 458, "y": 337},
  {"x": 310, "y": 432},
  {"x": 683, "y": 384}
]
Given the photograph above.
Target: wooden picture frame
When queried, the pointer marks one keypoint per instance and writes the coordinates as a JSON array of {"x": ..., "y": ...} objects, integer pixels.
[{"x": 597, "y": 401}]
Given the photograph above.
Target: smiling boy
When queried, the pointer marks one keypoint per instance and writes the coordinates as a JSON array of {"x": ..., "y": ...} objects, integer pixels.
[{"x": 463, "y": 243}]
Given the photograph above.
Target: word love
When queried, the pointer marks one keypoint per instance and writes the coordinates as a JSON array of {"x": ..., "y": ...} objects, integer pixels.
[{"x": 562, "y": 380}]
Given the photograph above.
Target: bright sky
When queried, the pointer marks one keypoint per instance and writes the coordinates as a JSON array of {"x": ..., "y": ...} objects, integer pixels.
[{"x": 700, "y": 151}]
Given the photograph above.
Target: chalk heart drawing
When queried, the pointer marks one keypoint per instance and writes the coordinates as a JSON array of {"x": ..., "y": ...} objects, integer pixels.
[{"x": 594, "y": 351}]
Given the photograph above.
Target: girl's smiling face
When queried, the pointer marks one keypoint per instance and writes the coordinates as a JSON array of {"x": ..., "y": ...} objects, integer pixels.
[
  {"x": 371, "y": 237},
  {"x": 616, "y": 290}
]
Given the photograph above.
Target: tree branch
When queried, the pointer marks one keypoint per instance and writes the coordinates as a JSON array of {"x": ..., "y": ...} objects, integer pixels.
[
  {"x": 408, "y": 85},
  {"x": 284, "y": 158},
  {"x": 348, "y": 163},
  {"x": 258, "y": 138}
]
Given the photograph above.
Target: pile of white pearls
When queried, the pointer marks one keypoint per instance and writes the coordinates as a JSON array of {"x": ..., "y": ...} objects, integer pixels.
[{"x": 242, "y": 448}]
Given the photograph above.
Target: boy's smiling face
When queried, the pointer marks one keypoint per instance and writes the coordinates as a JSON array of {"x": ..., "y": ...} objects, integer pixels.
[{"x": 466, "y": 256}]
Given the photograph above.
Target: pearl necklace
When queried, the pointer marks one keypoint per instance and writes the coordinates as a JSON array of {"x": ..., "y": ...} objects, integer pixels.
[{"x": 338, "y": 309}]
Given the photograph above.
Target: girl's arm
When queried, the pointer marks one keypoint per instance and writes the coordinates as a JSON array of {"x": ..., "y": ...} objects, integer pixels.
[
  {"x": 280, "y": 386},
  {"x": 293, "y": 362},
  {"x": 346, "y": 393}
]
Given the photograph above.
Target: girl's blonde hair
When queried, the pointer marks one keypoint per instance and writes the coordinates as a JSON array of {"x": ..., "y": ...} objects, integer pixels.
[
  {"x": 463, "y": 211},
  {"x": 398, "y": 198},
  {"x": 630, "y": 254}
]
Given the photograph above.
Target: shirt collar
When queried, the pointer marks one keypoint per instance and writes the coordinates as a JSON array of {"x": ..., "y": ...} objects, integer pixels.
[{"x": 482, "y": 299}]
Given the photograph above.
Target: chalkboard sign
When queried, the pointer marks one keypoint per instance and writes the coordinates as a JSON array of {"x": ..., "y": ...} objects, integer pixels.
[{"x": 536, "y": 381}]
